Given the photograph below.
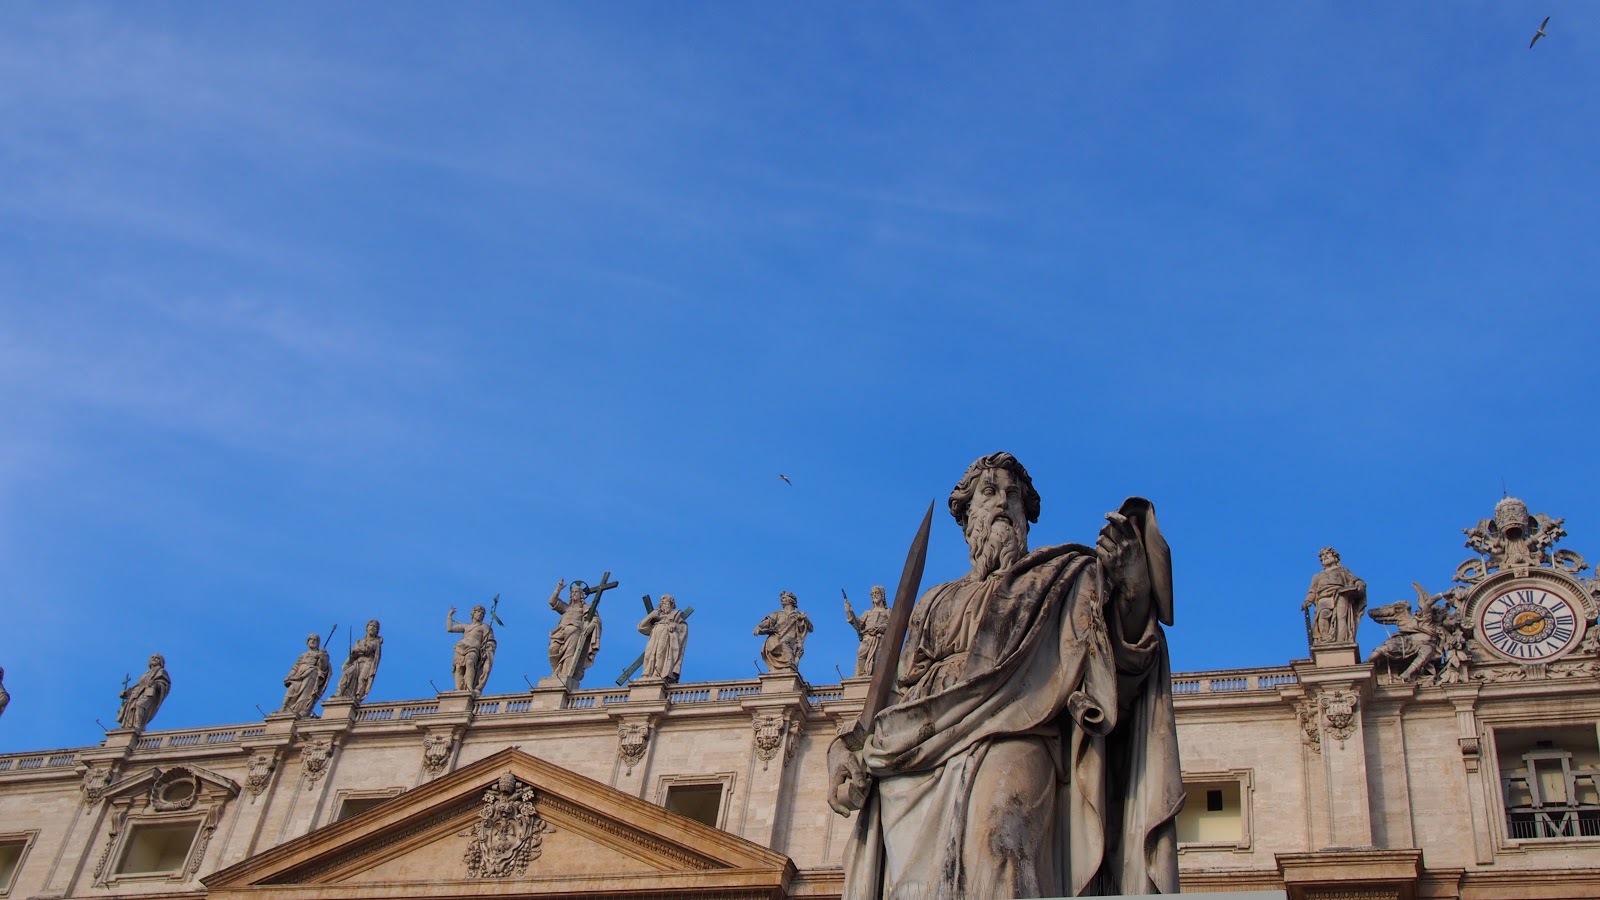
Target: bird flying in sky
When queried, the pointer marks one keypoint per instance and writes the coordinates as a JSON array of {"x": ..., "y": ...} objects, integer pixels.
[
  {"x": 1540, "y": 33},
  {"x": 786, "y": 479}
]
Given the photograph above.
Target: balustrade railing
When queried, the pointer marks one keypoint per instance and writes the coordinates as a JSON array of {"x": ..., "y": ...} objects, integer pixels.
[{"x": 1232, "y": 681}]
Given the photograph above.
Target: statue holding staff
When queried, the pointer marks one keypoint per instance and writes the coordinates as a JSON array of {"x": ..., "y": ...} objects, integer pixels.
[
  {"x": 142, "y": 699},
  {"x": 474, "y": 653},
  {"x": 869, "y": 627},
  {"x": 361, "y": 667},
  {"x": 306, "y": 679}
]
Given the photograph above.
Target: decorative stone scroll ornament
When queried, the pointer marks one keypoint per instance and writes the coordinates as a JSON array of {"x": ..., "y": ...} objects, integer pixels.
[
  {"x": 771, "y": 732},
  {"x": 314, "y": 757},
  {"x": 1339, "y": 713},
  {"x": 509, "y": 831},
  {"x": 94, "y": 784},
  {"x": 174, "y": 789},
  {"x": 1305, "y": 710},
  {"x": 207, "y": 829},
  {"x": 258, "y": 772},
  {"x": 632, "y": 739},
  {"x": 118, "y": 820},
  {"x": 436, "y": 750}
]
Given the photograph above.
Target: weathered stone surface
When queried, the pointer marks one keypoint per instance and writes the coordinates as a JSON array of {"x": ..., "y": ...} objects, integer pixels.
[
  {"x": 361, "y": 667},
  {"x": 869, "y": 627},
  {"x": 786, "y": 630},
  {"x": 668, "y": 629},
  {"x": 576, "y": 638},
  {"x": 1335, "y": 602},
  {"x": 1020, "y": 671},
  {"x": 142, "y": 699},
  {"x": 306, "y": 680},
  {"x": 474, "y": 653}
]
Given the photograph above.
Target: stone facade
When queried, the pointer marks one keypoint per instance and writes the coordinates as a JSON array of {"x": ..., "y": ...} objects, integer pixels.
[{"x": 1327, "y": 777}]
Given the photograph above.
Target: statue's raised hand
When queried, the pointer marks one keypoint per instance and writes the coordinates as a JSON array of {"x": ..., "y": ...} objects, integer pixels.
[{"x": 1122, "y": 556}]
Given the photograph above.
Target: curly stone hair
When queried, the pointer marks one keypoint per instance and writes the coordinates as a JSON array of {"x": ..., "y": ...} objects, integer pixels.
[{"x": 961, "y": 494}]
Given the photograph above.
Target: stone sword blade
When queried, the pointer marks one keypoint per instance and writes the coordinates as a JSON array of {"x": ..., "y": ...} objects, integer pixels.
[{"x": 888, "y": 663}]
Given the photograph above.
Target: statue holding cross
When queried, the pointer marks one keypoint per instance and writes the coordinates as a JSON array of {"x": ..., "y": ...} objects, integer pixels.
[
  {"x": 668, "y": 628},
  {"x": 576, "y": 638}
]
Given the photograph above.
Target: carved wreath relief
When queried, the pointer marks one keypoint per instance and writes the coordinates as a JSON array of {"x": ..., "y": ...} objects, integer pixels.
[{"x": 509, "y": 831}]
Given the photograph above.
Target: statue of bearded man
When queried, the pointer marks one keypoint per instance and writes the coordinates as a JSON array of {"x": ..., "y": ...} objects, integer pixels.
[{"x": 1031, "y": 749}]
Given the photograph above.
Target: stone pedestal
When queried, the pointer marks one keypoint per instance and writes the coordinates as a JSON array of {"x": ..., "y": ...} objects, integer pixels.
[
  {"x": 556, "y": 681},
  {"x": 1334, "y": 655},
  {"x": 782, "y": 682},
  {"x": 548, "y": 698},
  {"x": 856, "y": 688},
  {"x": 647, "y": 690},
  {"x": 121, "y": 739},
  {"x": 339, "y": 709},
  {"x": 456, "y": 701}
]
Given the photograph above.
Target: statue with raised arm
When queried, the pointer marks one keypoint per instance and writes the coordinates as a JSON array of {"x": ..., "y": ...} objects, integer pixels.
[
  {"x": 474, "y": 654},
  {"x": 668, "y": 629},
  {"x": 306, "y": 679},
  {"x": 142, "y": 699},
  {"x": 576, "y": 638},
  {"x": 361, "y": 667},
  {"x": 786, "y": 630},
  {"x": 869, "y": 627},
  {"x": 1028, "y": 747},
  {"x": 1336, "y": 598}
]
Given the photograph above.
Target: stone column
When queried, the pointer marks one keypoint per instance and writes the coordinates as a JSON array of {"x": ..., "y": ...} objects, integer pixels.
[
  {"x": 1338, "y": 693},
  {"x": 776, "y": 716}
]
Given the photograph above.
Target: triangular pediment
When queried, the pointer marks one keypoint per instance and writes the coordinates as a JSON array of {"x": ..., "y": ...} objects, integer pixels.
[
  {"x": 538, "y": 828},
  {"x": 154, "y": 777}
]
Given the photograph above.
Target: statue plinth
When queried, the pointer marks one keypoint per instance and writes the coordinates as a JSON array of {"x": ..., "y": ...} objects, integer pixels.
[
  {"x": 783, "y": 681},
  {"x": 339, "y": 709},
  {"x": 456, "y": 701},
  {"x": 1330, "y": 656},
  {"x": 122, "y": 738},
  {"x": 556, "y": 681},
  {"x": 546, "y": 697},
  {"x": 647, "y": 690},
  {"x": 856, "y": 688}
]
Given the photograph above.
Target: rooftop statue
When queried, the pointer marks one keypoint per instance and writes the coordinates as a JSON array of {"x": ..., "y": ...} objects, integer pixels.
[
  {"x": 576, "y": 638},
  {"x": 142, "y": 699},
  {"x": 869, "y": 626},
  {"x": 306, "y": 679},
  {"x": 355, "y": 679},
  {"x": 474, "y": 655},
  {"x": 668, "y": 628},
  {"x": 1336, "y": 600},
  {"x": 1029, "y": 749},
  {"x": 786, "y": 630},
  {"x": 1424, "y": 636}
]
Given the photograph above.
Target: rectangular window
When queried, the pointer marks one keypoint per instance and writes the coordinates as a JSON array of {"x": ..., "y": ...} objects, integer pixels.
[
  {"x": 1216, "y": 811},
  {"x": 1550, "y": 781},
  {"x": 10, "y": 862},
  {"x": 700, "y": 802},
  {"x": 157, "y": 848}
]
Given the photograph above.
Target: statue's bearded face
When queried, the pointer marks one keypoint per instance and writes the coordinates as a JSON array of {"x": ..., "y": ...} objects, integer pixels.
[
  {"x": 575, "y": 594},
  {"x": 997, "y": 523},
  {"x": 878, "y": 597}
]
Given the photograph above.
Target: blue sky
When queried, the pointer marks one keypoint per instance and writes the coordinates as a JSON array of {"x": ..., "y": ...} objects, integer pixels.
[{"x": 315, "y": 314}]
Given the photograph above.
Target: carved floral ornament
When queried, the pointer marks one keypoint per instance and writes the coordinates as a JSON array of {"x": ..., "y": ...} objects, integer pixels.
[
  {"x": 1520, "y": 601},
  {"x": 508, "y": 833}
]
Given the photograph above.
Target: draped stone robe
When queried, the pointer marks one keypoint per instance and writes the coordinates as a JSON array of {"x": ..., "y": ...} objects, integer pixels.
[
  {"x": 574, "y": 641},
  {"x": 1033, "y": 750},
  {"x": 305, "y": 682}
]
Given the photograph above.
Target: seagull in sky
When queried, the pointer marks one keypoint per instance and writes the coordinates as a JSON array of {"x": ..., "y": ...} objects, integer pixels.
[
  {"x": 1540, "y": 33},
  {"x": 786, "y": 479}
]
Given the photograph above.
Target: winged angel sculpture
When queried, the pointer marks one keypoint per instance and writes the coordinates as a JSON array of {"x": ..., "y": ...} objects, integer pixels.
[{"x": 1428, "y": 639}]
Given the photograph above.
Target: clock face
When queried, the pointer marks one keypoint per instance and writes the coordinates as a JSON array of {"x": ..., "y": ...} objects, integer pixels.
[{"x": 1529, "y": 624}]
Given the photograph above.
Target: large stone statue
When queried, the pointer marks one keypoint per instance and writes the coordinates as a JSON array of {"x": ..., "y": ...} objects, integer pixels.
[
  {"x": 306, "y": 679},
  {"x": 142, "y": 699},
  {"x": 474, "y": 652},
  {"x": 668, "y": 628},
  {"x": 355, "y": 679},
  {"x": 1031, "y": 750},
  {"x": 576, "y": 638},
  {"x": 869, "y": 627},
  {"x": 1424, "y": 636},
  {"x": 786, "y": 631},
  {"x": 1336, "y": 599}
]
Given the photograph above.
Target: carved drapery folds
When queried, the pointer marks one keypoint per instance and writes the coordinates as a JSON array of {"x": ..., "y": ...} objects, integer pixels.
[
  {"x": 773, "y": 732},
  {"x": 632, "y": 739},
  {"x": 508, "y": 833}
]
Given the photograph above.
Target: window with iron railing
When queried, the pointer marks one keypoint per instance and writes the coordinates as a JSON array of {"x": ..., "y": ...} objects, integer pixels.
[{"x": 1550, "y": 781}]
